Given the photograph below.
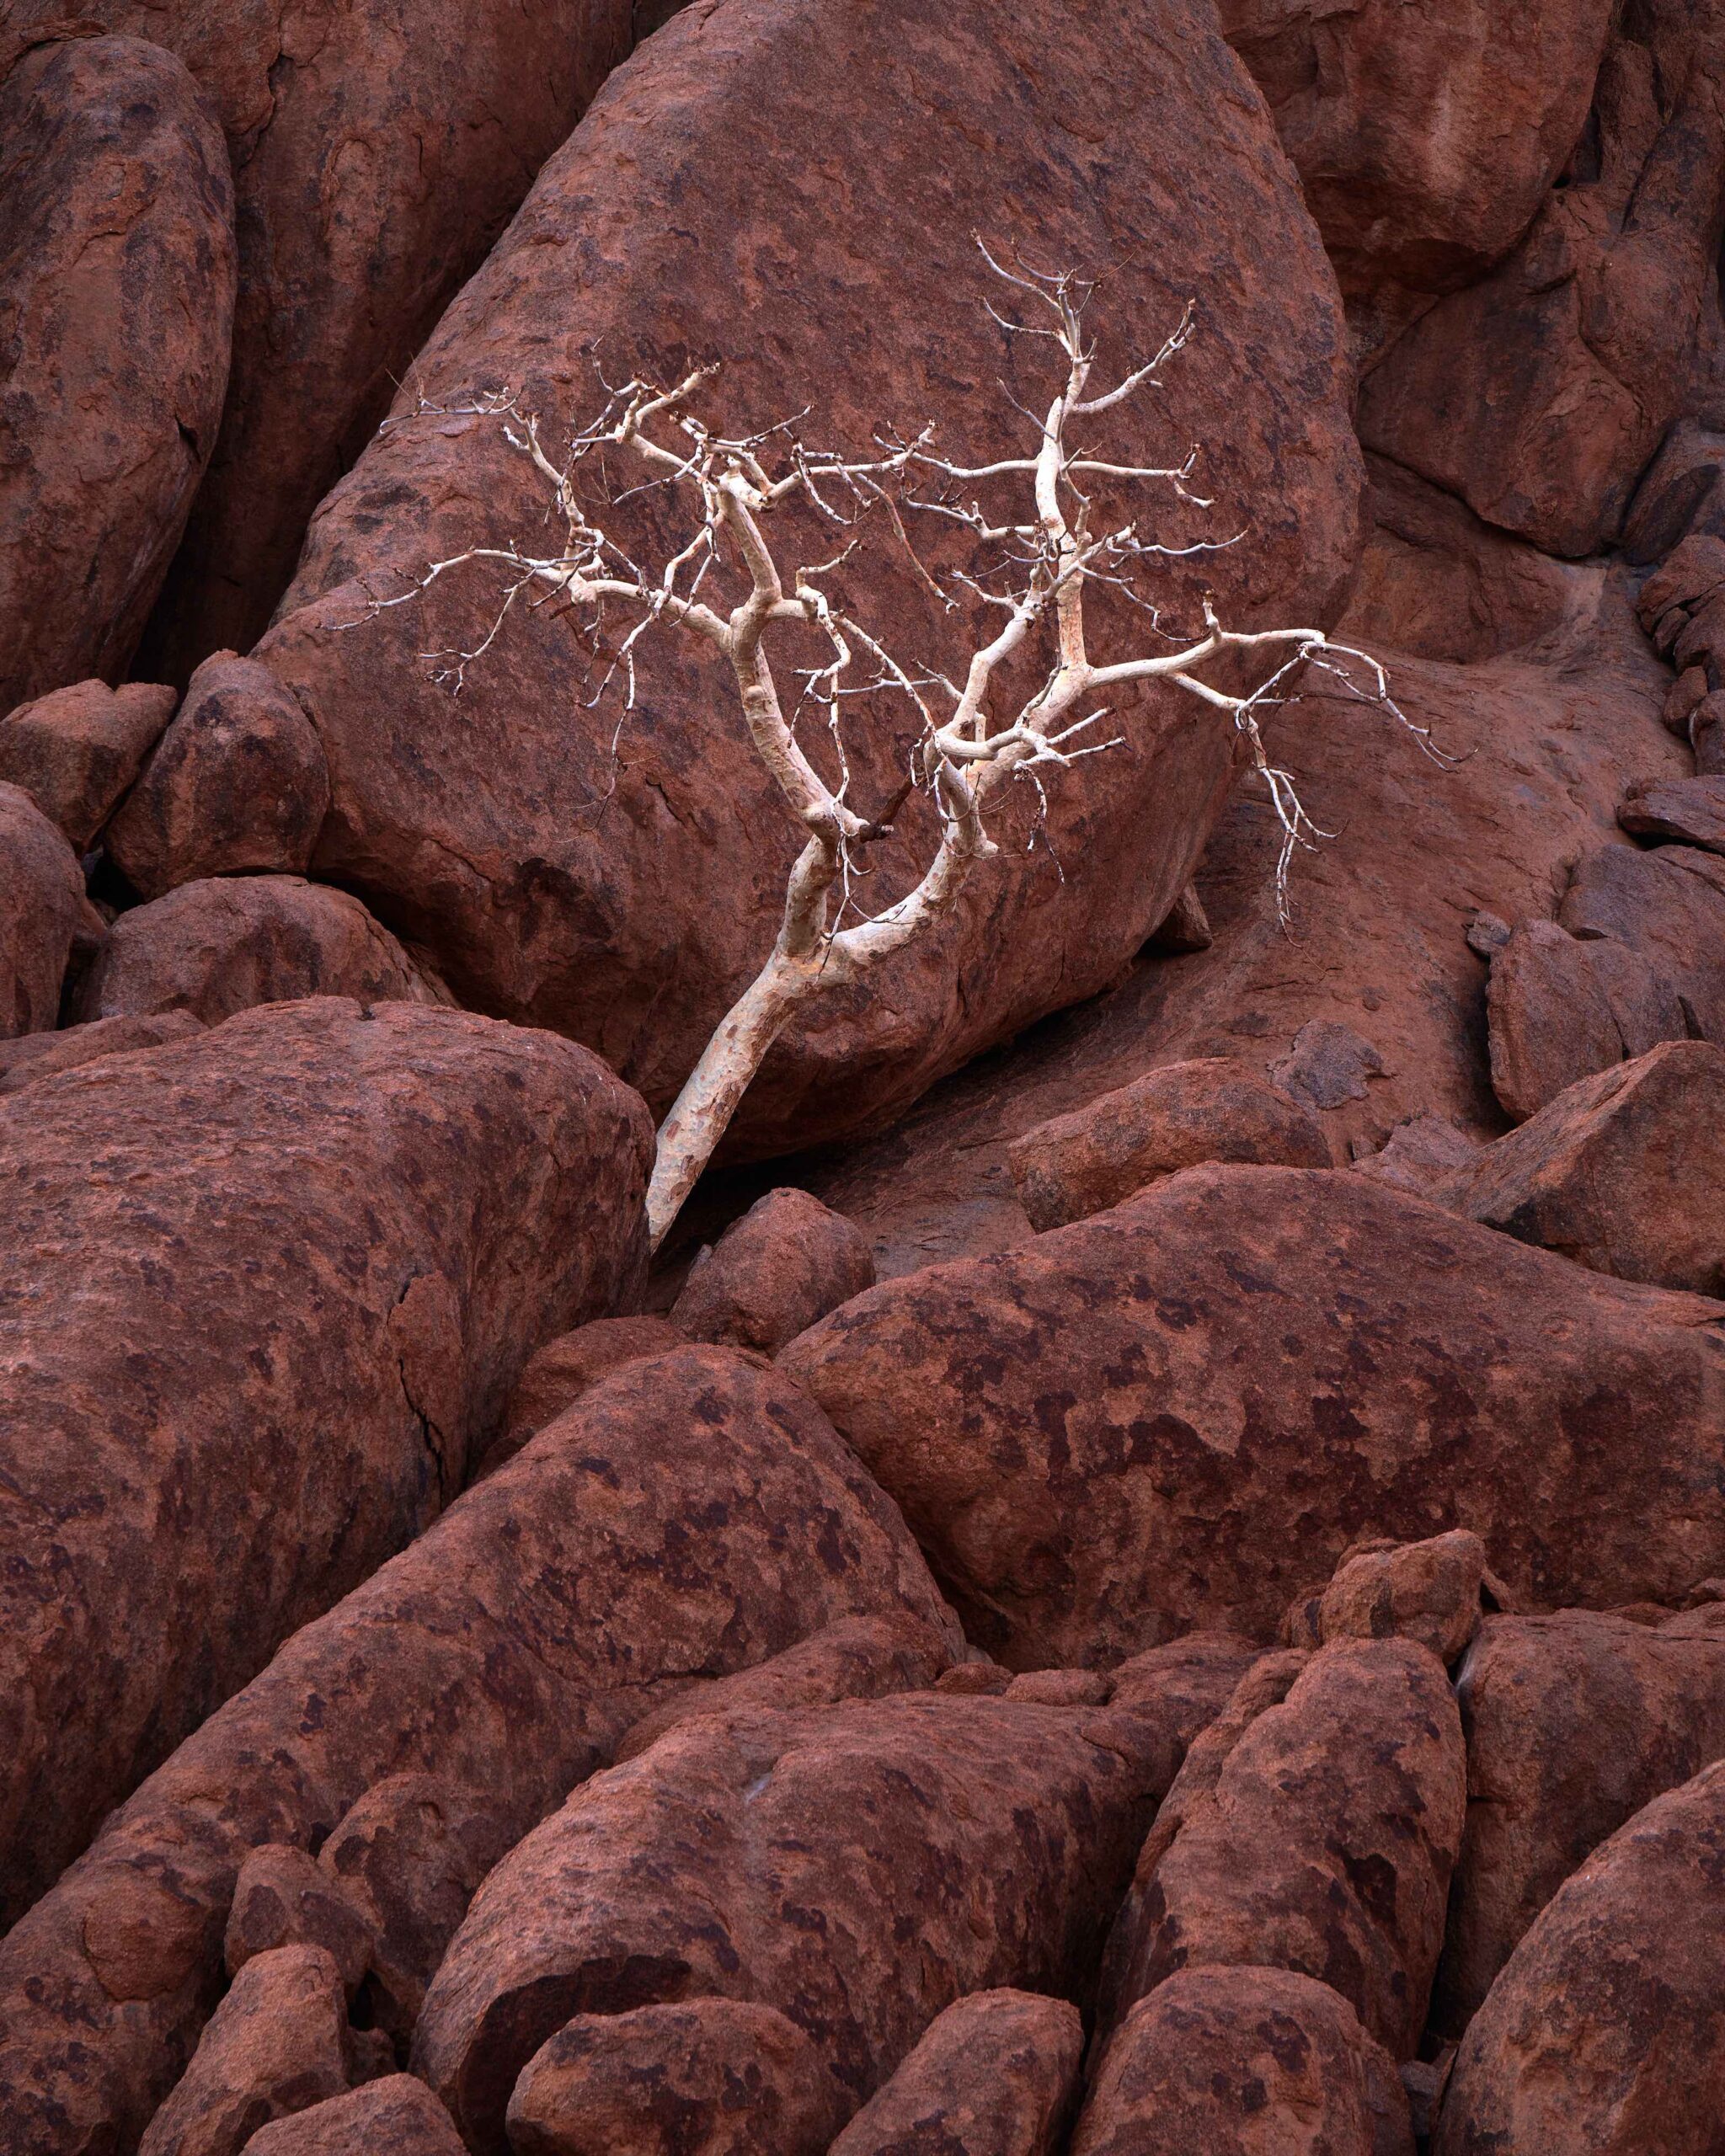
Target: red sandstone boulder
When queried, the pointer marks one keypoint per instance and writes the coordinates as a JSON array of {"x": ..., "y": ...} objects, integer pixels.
[
  {"x": 41, "y": 911},
  {"x": 562, "y": 881},
  {"x": 1431, "y": 1592},
  {"x": 227, "y": 943},
  {"x": 1604, "y": 2033},
  {"x": 564, "y": 1370},
  {"x": 33, "y": 1057},
  {"x": 1669, "y": 906},
  {"x": 396, "y": 2116},
  {"x": 994, "y": 2075},
  {"x": 243, "y": 1369},
  {"x": 1182, "y": 1411},
  {"x": 116, "y": 309},
  {"x": 283, "y": 1897},
  {"x": 1624, "y": 1172},
  {"x": 76, "y": 751},
  {"x": 1573, "y": 1722},
  {"x": 1169, "y": 1119},
  {"x": 708, "y": 2077},
  {"x": 1689, "y": 811},
  {"x": 1560, "y": 1008},
  {"x": 1218, "y": 2062},
  {"x": 238, "y": 785},
  {"x": 278, "y": 2043},
  {"x": 694, "y": 1514},
  {"x": 773, "y": 1273}
]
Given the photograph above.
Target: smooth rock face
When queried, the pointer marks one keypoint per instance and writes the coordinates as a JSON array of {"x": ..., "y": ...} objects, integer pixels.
[
  {"x": 1093, "y": 1439},
  {"x": 396, "y": 2116},
  {"x": 1624, "y": 1172},
  {"x": 709, "y": 2077},
  {"x": 1603, "y": 2034},
  {"x": 41, "y": 910},
  {"x": 227, "y": 943},
  {"x": 76, "y": 751},
  {"x": 33, "y": 1057},
  {"x": 564, "y": 1368},
  {"x": 239, "y": 785},
  {"x": 1573, "y": 1722},
  {"x": 1231, "y": 2062},
  {"x": 1690, "y": 811},
  {"x": 241, "y": 1373},
  {"x": 998, "y": 1834},
  {"x": 994, "y": 2075},
  {"x": 1668, "y": 905},
  {"x": 1560, "y": 1008},
  {"x": 773, "y": 1273},
  {"x": 1325, "y": 1846},
  {"x": 1169, "y": 1119},
  {"x": 691, "y": 1513},
  {"x": 627, "y": 897}
]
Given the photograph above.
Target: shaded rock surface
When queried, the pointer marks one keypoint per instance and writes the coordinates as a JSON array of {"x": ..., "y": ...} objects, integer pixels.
[
  {"x": 627, "y": 896},
  {"x": 1668, "y": 905},
  {"x": 773, "y": 1273},
  {"x": 1690, "y": 811},
  {"x": 33, "y": 1057},
  {"x": 283, "y": 1897},
  {"x": 396, "y": 2116},
  {"x": 1430, "y": 1592},
  {"x": 1092, "y": 1442},
  {"x": 563, "y": 1369},
  {"x": 76, "y": 749},
  {"x": 1561, "y": 1007},
  {"x": 305, "y": 1320},
  {"x": 41, "y": 911},
  {"x": 117, "y": 279},
  {"x": 690, "y": 1515}
]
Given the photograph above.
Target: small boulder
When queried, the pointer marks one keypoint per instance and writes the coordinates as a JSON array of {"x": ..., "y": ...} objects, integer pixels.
[
  {"x": 1328, "y": 1063},
  {"x": 705, "y": 2077},
  {"x": 994, "y": 2075},
  {"x": 1707, "y": 736},
  {"x": 35, "y": 1056},
  {"x": 229, "y": 943},
  {"x": 1685, "y": 811},
  {"x": 1419, "y": 1156},
  {"x": 1223, "y": 2062},
  {"x": 41, "y": 912},
  {"x": 563, "y": 1369},
  {"x": 283, "y": 1897},
  {"x": 1427, "y": 1591},
  {"x": 1559, "y": 1009},
  {"x": 396, "y": 2116},
  {"x": 278, "y": 2043},
  {"x": 1167, "y": 1120},
  {"x": 1669, "y": 906},
  {"x": 773, "y": 1273},
  {"x": 76, "y": 751}
]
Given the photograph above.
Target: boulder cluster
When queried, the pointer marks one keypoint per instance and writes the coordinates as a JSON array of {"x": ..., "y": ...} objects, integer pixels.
[{"x": 1143, "y": 1574}]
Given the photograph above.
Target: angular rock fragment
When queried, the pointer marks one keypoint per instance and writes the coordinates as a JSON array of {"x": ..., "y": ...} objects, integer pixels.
[
  {"x": 238, "y": 786},
  {"x": 117, "y": 279},
  {"x": 773, "y": 1273},
  {"x": 242, "y": 1371},
  {"x": 1420, "y": 1157},
  {"x": 695, "y": 1513},
  {"x": 1222, "y": 2062},
  {"x": 1169, "y": 1119},
  {"x": 1560, "y": 1008},
  {"x": 76, "y": 751},
  {"x": 1429, "y": 1591},
  {"x": 33, "y": 1057},
  {"x": 229, "y": 943},
  {"x": 1184, "y": 1411},
  {"x": 1668, "y": 905},
  {"x": 564, "y": 1368},
  {"x": 41, "y": 911},
  {"x": 282, "y": 1898},
  {"x": 1683, "y": 811},
  {"x": 994, "y": 2075},
  {"x": 396, "y": 2116}
]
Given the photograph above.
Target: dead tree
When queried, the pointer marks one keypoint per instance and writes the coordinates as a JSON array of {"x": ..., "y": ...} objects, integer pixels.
[{"x": 1045, "y": 552}]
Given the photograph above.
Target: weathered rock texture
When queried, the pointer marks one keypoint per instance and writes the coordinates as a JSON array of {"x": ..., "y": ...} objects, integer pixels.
[
  {"x": 1431, "y": 1592},
  {"x": 396, "y": 2116},
  {"x": 41, "y": 911},
  {"x": 243, "y": 1368},
  {"x": 773, "y": 1273},
  {"x": 116, "y": 310},
  {"x": 33, "y": 1057},
  {"x": 1668, "y": 905},
  {"x": 1561, "y": 1007},
  {"x": 1222, "y": 2062},
  {"x": 227, "y": 943},
  {"x": 1603, "y": 2034},
  {"x": 994, "y": 2075},
  {"x": 691, "y": 1515},
  {"x": 285, "y": 1897},
  {"x": 627, "y": 896},
  {"x": 1184, "y": 1410},
  {"x": 1573, "y": 1722},
  {"x": 563, "y": 1369},
  {"x": 1691, "y": 811},
  {"x": 76, "y": 751}
]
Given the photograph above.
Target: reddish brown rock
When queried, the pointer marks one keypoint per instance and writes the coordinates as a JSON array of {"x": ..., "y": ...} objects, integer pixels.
[
  {"x": 994, "y": 2075},
  {"x": 41, "y": 912},
  {"x": 278, "y": 2043},
  {"x": 229, "y": 943},
  {"x": 1603, "y": 2034},
  {"x": 1421, "y": 1155},
  {"x": 1184, "y": 927},
  {"x": 1690, "y": 812},
  {"x": 1670, "y": 907},
  {"x": 283, "y": 1898},
  {"x": 1169, "y": 1119},
  {"x": 787, "y": 1858},
  {"x": 1222, "y": 2062},
  {"x": 1707, "y": 736},
  {"x": 564, "y": 1368},
  {"x": 117, "y": 269},
  {"x": 1690, "y": 574},
  {"x": 710, "y": 2077},
  {"x": 693, "y": 1514},
  {"x": 309, "y": 1317},
  {"x": 1184, "y": 1411},
  {"x": 396, "y": 2116},
  {"x": 1560, "y": 1009},
  {"x": 239, "y": 785},
  {"x": 1324, "y": 1846},
  {"x": 76, "y": 751},
  {"x": 35, "y": 1056},
  {"x": 1431, "y": 1592},
  {"x": 773, "y": 1273},
  {"x": 1624, "y": 1172},
  {"x": 561, "y": 881},
  {"x": 1573, "y": 1722}
]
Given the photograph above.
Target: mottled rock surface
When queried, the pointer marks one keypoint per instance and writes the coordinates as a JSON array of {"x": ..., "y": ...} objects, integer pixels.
[
  {"x": 243, "y": 1371},
  {"x": 626, "y": 895},
  {"x": 1670, "y": 906},
  {"x": 284, "y": 1898},
  {"x": 994, "y": 2075},
  {"x": 1092, "y": 1440},
  {"x": 33, "y": 1057},
  {"x": 564, "y": 1368},
  {"x": 1561, "y": 1007},
  {"x": 116, "y": 310},
  {"x": 1429, "y": 1591},
  {"x": 773, "y": 1273},
  {"x": 1687, "y": 811},
  {"x": 396, "y": 2116},
  {"x": 76, "y": 749},
  {"x": 41, "y": 911}
]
